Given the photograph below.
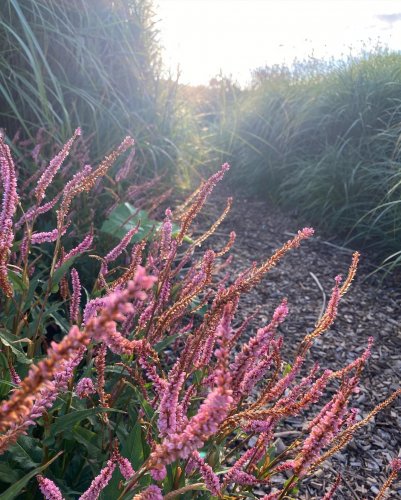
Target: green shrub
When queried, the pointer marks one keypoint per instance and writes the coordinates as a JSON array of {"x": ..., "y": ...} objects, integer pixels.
[
  {"x": 324, "y": 139},
  {"x": 93, "y": 64}
]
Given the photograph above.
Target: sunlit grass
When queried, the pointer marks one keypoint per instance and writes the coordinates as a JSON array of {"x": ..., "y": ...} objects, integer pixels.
[
  {"x": 325, "y": 140},
  {"x": 65, "y": 64}
]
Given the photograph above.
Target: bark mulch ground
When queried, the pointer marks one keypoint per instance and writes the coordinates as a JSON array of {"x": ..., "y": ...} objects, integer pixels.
[{"x": 370, "y": 308}]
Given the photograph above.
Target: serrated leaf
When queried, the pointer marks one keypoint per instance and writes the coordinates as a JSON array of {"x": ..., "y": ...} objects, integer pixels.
[{"x": 16, "y": 488}]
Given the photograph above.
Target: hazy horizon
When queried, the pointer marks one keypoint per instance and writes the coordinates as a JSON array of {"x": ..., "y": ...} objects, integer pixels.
[{"x": 204, "y": 37}]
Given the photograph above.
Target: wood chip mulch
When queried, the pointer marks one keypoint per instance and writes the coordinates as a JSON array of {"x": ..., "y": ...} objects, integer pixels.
[{"x": 370, "y": 308}]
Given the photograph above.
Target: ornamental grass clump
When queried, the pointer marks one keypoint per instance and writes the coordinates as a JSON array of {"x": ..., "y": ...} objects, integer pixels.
[{"x": 136, "y": 383}]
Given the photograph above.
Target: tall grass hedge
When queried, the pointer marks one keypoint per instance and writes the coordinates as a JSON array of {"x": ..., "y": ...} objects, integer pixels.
[
  {"x": 324, "y": 138},
  {"x": 91, "y": 64}
]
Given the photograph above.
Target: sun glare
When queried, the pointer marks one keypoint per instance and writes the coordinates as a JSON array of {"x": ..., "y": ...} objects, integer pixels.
[{"x": 204, "y": 37}]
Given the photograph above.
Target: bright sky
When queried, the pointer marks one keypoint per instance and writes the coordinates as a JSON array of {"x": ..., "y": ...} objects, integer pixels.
[{"x": 236, "y": 36}]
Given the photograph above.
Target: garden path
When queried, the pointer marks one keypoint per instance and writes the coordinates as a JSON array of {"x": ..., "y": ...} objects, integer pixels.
[{"x": 306, "y": 276}]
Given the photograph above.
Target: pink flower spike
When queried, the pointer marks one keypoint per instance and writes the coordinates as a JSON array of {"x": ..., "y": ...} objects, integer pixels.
[
  {"x": 125, "y": 170},
  {"x": 395, "y": 464},
  {"x": 46, "y": 237},
  {"x": 76, "y": 296},
  {"x": 211, "y": 480},
  {"x": 35, "y": 211},
  {"x": 159, "y": 474},
  {"x": 100, "y": 482},
  {"x": 54, "y": 165},
  {"x": 307, "y": 232},
  {"x": 9, "y": 205},
  {"x": 76, "y": 179},
  {"x": 153, "y": 492},
  {"x": 167, "y": 422},
  {"x": 167, "y": 227},
  {"x": 281, "y": 312},
  {"x": 255, "y": 349},
  {"x": 238, "y": 466},
  {"x": 271, "y": 496},
  {"x": 15, "y": 378},
  {"x": 85, "y": 244},
  {"x": 115, "y": 307},
  {"x": 116, "y": 252},
  {"x": 49, "y": 490},
  {"x": 205, "y": 423},
  {"x": 84, "y": 388},
  {"x": 126, "y": 469},
  {"x": 333, "y": 489}
]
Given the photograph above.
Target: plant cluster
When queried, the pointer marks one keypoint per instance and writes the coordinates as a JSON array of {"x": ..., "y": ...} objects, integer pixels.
[{"x": 140, "y": 384}]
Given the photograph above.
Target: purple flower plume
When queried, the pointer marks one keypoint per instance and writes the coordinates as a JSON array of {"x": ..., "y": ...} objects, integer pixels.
[
  {"x": 9, "y": 205},
  {"x": 34, "y": 211},
  {"x": 85, "y": 244},
  {"x": 153, "y": 492},
  {"x": 76, "y": 295},
  {"x": 117, "y": 250},
  {"x": 46, "y": 237},
  {"x": 49, "y": 490},
  {"x": 211, "y": 413},
  {"x": 100, "y": 482},
  {"x": 211, "y": 480},
  {"x": 84, "y": 388},
  {"x": 53, "y": 167}
]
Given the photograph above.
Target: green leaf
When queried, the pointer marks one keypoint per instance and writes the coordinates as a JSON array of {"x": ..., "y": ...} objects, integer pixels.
[
  {"x": 126, "y": 217},
  {"x": 17, "y": 281},
  {"x": 12, "y": 342},
  {"x": 196, "y": 303},
  {"x": 160, "y": 346},
  {"x": 88, "y": 439},
  {"x": 8, "y": 474},
  {"x": 4, "y": 387},
  {"x": 26, "y": 452},
  {"x": 61, "y": 322},
  {"x": 31, "y": 293},
  {"x": 16, "y": 488},
  {"x": 176, "y": 232},
  {"x": 133, "y": 449},
  {"x": 67, "y": 422},
  {"x": 61, "y": 271},
  {"x": 198, "y": 376}
]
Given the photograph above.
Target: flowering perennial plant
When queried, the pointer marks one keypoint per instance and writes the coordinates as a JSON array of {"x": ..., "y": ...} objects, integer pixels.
[{"x": 136, "y": 383}]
